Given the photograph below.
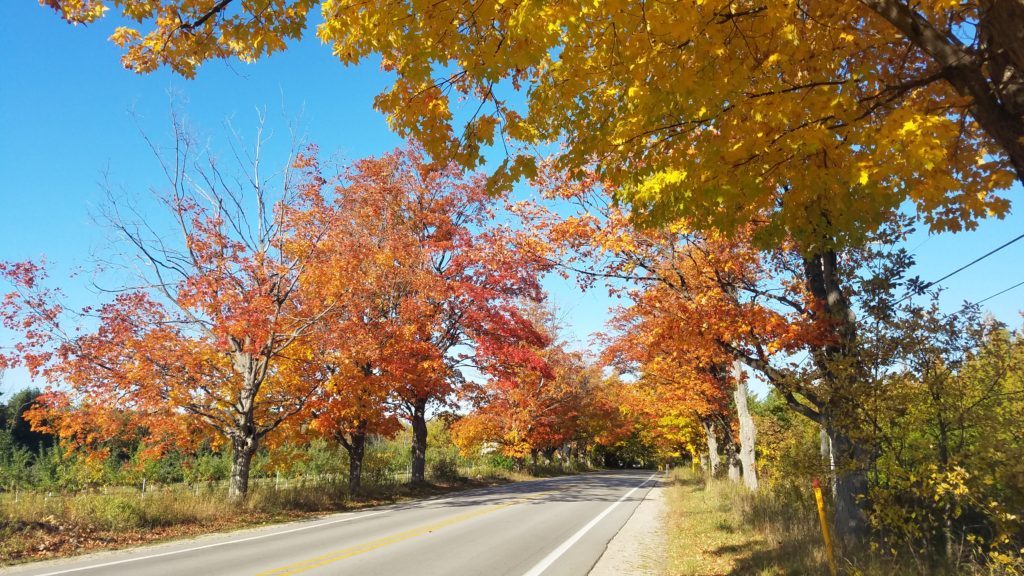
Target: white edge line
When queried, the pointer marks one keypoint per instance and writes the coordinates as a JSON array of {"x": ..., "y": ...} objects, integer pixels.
[
  {"x": 214, "y": 545},
  {"x": 555, "y": 554}
]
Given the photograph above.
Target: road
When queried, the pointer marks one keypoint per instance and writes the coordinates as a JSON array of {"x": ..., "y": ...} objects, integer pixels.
[{"x": 558, "y": 526}]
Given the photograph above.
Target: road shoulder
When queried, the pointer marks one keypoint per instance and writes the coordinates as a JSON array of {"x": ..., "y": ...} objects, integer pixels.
[{"x": 638, "y": 549}]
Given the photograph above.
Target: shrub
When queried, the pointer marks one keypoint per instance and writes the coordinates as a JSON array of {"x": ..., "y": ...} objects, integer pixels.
[{"x": 444, "y": 469}]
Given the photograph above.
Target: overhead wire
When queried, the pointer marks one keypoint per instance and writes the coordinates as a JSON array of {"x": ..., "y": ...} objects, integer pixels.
[
  {"x": 1001, "y": 292},
  {"x": 987, "y": 298},
  {"x": 928, "y": 285}
]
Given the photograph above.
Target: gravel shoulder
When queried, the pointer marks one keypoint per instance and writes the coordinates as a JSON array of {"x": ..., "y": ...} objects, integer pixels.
[{"x": 639, "y": 548}]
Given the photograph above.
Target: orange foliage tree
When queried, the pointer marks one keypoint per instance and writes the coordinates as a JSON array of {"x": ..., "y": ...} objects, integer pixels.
[
  {"x": 440, "y": 293},
  {"x": 547, "y": 399},
  {"x": 759, "y": 308},
  {"x": 677, "y": 369},
  {"x": 212, "y": 344}
]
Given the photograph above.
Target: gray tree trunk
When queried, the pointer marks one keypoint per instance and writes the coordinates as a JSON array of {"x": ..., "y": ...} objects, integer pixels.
[
  {"x": 419, "y": 442},
  {"x": 843, "y": 371},
  {"x": 242, "y": 451},
  {"x": 748, "y": 430},
  {"x": 713, "y": 461},
  {"x": 828, "y": 460},
  {"x": 733, "y": 461},
  {"x": 851, "y": 486}
]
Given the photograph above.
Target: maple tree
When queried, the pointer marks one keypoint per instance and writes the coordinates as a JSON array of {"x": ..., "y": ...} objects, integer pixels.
[
  {"x": 547, "y": 400},
  {"x": 354, "y": 354},
  {"x": 733, "y": 304},
  {"x": 447, "y": 280},
  {"x": 209, "y": 346},
  {"x": 819, "y": 116},
  {"x": 679, "y": 370}
]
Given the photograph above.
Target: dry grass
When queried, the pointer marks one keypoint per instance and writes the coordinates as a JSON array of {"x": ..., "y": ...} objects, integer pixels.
[
  {"x": 721, "y": 528},
  {"x": 35, "y": 525},
  {"x": 711, "y": 532}
]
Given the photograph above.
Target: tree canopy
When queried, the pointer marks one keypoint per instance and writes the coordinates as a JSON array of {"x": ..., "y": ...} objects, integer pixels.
[{"x": 819, "y": 116}]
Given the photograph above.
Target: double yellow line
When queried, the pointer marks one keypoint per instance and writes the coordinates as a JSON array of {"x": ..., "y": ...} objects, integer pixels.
[{"x": 332, "y": 557}]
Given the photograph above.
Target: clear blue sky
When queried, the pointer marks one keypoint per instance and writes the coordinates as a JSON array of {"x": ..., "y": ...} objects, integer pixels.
[{"x": 64, "y": 116}]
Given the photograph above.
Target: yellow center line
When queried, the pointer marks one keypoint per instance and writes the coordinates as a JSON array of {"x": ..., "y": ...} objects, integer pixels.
[{"x": 331, "y": 557}]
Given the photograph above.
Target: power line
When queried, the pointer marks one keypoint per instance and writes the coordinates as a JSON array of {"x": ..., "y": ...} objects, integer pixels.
[
  {"x": 972, "y": 262},
  {"x": 1001, "y": 292},
  {"x": 986, "y": 298},
  {"x": 928, "y": 285}
]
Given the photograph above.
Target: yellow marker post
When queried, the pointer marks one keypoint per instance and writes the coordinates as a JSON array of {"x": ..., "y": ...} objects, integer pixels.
[{"x": 832, "y": 567}]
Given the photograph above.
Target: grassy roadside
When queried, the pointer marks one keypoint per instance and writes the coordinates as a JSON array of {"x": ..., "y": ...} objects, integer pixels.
[
  {"x": 721, "y": 529},
  {"x": 37, "y": 526},
  {"x": 711, "y": 532}
]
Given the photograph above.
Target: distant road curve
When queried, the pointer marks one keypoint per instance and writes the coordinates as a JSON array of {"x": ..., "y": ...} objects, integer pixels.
[{"x": 558, "y": 526}]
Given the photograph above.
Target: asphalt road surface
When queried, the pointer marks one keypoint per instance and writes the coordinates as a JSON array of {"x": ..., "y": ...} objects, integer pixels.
[{"x": 557, "y": 526}]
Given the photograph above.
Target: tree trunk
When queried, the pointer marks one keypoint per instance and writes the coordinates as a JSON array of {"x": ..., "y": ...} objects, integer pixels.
[
  {"x": 748, "y": 431},
  {"x": 242, "y": 450},
  {"x": 356, "y": 448},
  {"x": 827, "y": 459},
  {"x": 732, "y": 460},
  {"x": 713, "y": 461},
  {"x": 850, "y": 488},
  {"x": 843, "y": 373},
  {"x": 825, "y": 447},
  {"x": 419, "y": 441},
  {"x": 943, "y": 448}
]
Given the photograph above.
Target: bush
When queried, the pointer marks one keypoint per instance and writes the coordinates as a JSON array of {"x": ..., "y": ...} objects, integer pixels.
[
  {"x": 208, "y": 466},
  {"x": 117, "y": 513},
  {"x": 501, "y": 462},
  {"x": 382, "y": 466},
  {"x": 444, "y": 469}
]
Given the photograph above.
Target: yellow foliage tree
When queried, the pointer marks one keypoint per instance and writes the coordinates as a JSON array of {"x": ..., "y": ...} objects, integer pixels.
[{"x": 819, "y": 115}]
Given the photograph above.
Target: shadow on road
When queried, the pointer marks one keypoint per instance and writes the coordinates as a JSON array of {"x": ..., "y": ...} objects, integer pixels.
[{"x": 606, "y": 486}]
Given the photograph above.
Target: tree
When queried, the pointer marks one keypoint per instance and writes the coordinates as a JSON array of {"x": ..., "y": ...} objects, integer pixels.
[
  {"x": 537, "y": 403},
  {"x": 211, "y": 340},
  {"x": 656, "y": 341},
  {"x": 364, "y": 355},
  {"x": 821, "y": 115},
  {"x": 447, "y": 282},
  {"x": 948, "y": 473},
  {"x": 757, "y": 307},
  {"x": 13, "y": 422}
]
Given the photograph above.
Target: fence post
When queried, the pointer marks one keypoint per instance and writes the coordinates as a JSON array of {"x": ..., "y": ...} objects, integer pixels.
[
  {"x": 832, "y": 567},
  {"x": 143, "y": 487}
]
